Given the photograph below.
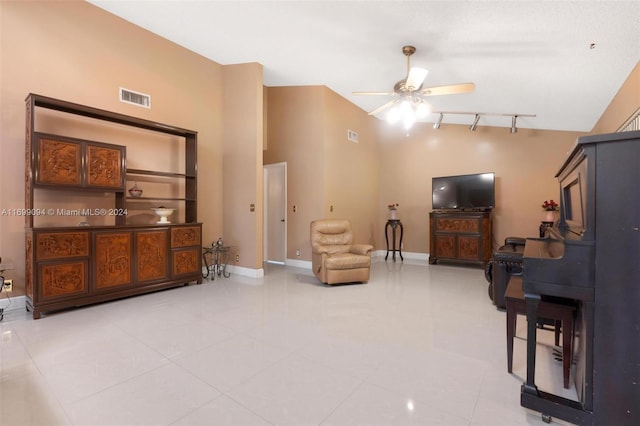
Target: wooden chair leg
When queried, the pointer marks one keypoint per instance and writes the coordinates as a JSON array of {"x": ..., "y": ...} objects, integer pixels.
[{"x": 557, "y": 325}]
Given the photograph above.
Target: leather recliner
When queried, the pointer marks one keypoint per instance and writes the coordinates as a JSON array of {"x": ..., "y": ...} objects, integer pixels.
[
  {"x": 335, "y": 258},
  {"x": 506, "y": 261}
]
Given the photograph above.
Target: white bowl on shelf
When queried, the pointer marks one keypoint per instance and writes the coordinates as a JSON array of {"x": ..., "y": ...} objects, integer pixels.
[{"x": 164, "y": 213}]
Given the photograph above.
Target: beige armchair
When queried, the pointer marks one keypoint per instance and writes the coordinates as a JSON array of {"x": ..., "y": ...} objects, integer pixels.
[{"x": 335, "y": 259}]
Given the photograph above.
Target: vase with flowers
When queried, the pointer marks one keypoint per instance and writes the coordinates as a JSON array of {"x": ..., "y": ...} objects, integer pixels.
[
  {"x": 393, "y": 211},
  {"x": 550, "y": 207}
]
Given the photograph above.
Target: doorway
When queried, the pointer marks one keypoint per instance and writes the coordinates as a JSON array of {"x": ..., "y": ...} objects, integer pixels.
[{"x": 275, "y": 213}]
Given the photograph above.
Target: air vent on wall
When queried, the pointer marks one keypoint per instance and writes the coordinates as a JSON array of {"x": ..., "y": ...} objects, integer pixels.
[
  {"x": 352, "y": 135},
  {"x": 135, "y": 98}
]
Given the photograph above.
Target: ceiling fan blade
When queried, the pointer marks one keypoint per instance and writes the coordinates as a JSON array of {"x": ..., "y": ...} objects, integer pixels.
[
  {"x": 415, "y": 78},
  {"x": 451, "y": 89},
  {"x": 374, "y": 93},
  {"x": 383, "y": 107}
]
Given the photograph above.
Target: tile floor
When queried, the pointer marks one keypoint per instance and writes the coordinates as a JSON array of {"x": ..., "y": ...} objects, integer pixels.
[{"x": 417, "y": 345}]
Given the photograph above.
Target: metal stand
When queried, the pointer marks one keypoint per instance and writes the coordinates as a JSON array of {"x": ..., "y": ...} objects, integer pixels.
[{"x": 216, "y": 259}]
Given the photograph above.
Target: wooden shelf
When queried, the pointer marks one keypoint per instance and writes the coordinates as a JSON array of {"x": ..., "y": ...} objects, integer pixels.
[
  {"x": 159, "y": 199},
  {"x": 157, "y": 173}
]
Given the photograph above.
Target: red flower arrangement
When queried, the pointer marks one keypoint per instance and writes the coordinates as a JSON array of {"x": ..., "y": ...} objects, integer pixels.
[
  {"x": 393, "y": 206},
  {"x": 550, "y": 206}
]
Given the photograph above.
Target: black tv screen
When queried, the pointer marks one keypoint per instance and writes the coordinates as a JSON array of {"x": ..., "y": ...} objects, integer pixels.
[{"x": 475, "y": 192}]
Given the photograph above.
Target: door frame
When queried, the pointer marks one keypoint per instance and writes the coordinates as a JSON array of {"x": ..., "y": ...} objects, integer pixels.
[{"x": 266, "y": 201}]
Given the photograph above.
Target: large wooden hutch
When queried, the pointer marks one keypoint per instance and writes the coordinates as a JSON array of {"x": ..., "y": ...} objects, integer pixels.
[{"x": 69, "y": 266}]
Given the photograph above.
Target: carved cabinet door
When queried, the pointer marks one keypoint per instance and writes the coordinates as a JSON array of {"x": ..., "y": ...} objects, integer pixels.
[
  {"x": 59, "y": 162},
  {"x": 112, "y": 259},
  {"x": 62, "y": 279},
  {"x": 152, "y": 258},
  {"x": 186, "y": 261},
  {"x": 105, "y": 166}
]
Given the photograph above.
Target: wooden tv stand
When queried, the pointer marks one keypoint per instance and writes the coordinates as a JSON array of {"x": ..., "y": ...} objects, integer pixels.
[{"x": 460, "y": 236}]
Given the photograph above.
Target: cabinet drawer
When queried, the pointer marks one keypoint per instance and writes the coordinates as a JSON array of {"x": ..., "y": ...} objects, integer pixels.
[
  {"x": 185, "y": 236},
  {"x": 59, "y": 245},
  {"x": 458, "y": 225}
]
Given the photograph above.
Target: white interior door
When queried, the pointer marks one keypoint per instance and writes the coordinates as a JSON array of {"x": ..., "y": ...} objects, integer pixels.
[{"x": 275, "y": 212}]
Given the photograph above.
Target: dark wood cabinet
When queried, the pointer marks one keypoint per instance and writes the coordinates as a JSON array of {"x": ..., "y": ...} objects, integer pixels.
[
  {"x": 76, "y": 266},
  {"x": 80, "y": 266},
  {"x": 460, "y": 236}
]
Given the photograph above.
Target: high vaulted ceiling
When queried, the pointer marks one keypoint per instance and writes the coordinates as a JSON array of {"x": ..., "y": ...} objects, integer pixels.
[{"x": 561, "y": 60}]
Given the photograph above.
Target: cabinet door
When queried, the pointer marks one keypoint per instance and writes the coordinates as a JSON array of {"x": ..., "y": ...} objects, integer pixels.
[
  {"x": 446, "y": 246},
  {"x": 62, "y": 279},
  {"x": 469, "y": 247},
  {"x": 186, "y": 262},
  {"x": 59, "y": 162},
  {"x": 105, "y": 166},
  {"x": 112, "y": 260},
  {"x": 151, "y": 255}
]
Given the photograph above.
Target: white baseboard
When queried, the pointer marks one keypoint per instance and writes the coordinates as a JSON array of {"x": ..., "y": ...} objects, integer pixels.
[
  {"x": 378, "y": 255},
  {"x": 305, "y": 264},
  {"x": 18, "y": 302},
  {"x": 246, "y": 272}
]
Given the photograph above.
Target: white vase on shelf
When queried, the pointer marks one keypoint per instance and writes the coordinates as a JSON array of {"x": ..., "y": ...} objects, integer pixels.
[{"x": 393, "y": 214}]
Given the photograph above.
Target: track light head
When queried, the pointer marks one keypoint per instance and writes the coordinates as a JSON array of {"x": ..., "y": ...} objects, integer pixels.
[
  {"x": 439, "y": 122},
  {"x": 475, "y": 123}
]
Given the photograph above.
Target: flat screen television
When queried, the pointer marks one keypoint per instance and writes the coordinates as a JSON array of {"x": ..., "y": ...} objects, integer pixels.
[{"x": 464, "y": 192}]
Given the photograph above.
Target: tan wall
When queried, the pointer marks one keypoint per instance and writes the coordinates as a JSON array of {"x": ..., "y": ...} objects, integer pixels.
[
  {"x": 242, "y": 163},
  {"x": 525, "y": 164},
  {"x": 351, "y": 170},
  {"x": 76, "y": 52},
  {"x": 624, "y": 104},
  {"x": 296, "y": 136},
  {"x": 308, "y": 130}
]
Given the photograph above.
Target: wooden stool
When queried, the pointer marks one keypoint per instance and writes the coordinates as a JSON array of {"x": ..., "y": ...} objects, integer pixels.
[{"x": 559, "y": 313}]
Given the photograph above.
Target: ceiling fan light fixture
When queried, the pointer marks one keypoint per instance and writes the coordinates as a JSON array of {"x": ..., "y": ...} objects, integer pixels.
[
  {"x": 393, "y": 116},
  {"x": 422, "y": 110},
  {"x": 408, "y": 121}
]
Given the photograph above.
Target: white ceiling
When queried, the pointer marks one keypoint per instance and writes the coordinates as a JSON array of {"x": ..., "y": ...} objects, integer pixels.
[{"x": 525, "y": 57}]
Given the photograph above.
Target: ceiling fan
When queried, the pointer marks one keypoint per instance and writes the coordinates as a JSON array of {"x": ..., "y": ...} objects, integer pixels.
[{"x": 409, "y": 92}]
